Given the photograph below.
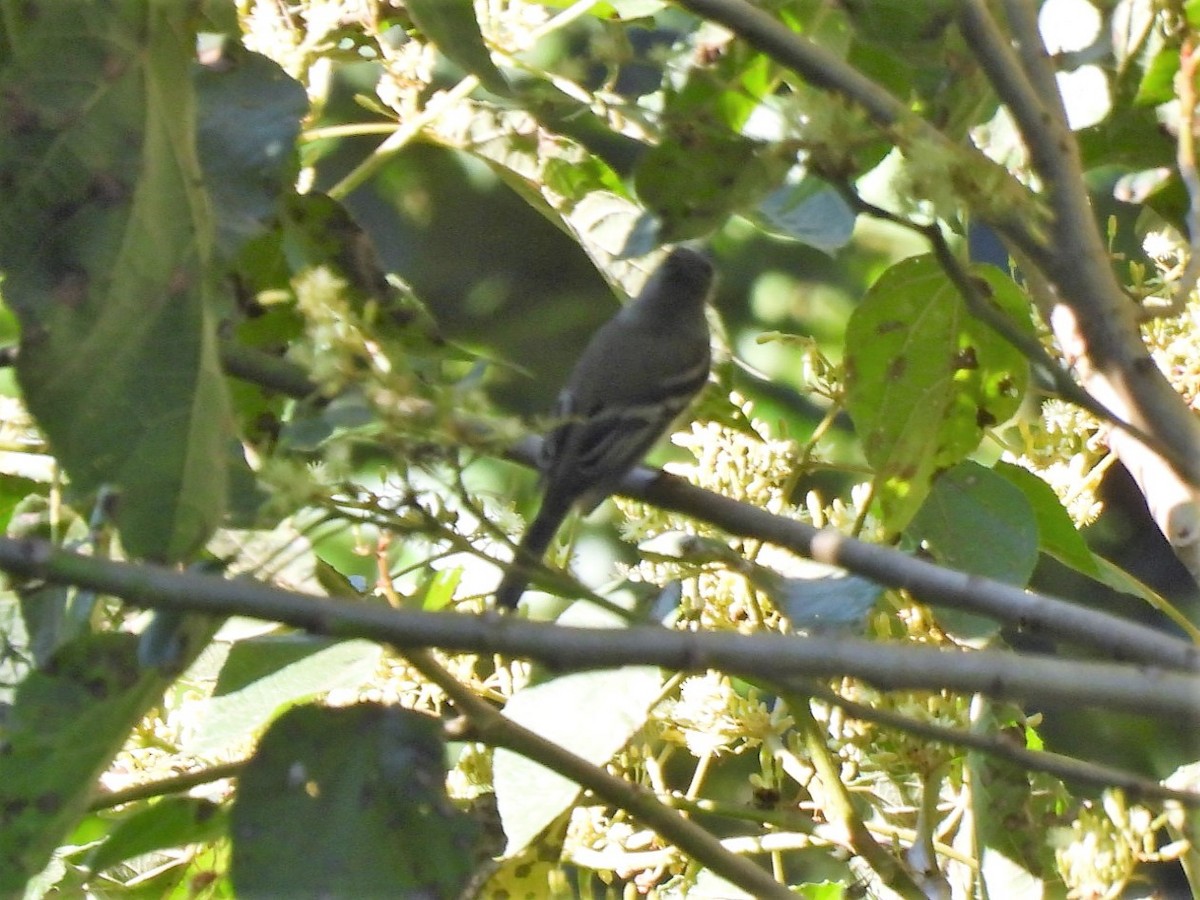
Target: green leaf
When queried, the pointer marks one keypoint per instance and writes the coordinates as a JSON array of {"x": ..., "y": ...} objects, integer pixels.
[
  {"x": 901, "y": 24},
  {"x": 65, "y": 725},
  {"x": 565, "y": 115},
  {"x": 555, "y": 175},
  {"x": 704, "y": 170},
  {"x": 924, "y": 378},
  {"x": 592, "y": 714},
  {"x": 965, "y": 502},
  {"x": 249, "y": 113},
  {"x": 1158, "y": 83},
  {"x": 1007, "y": 809},
  {"x": 1057, "y": 534},
  {"x": 693, "y": 185},
  {"x": 1006, "y": 877},
  {"x": 171, "y": 822},
  {"x": 451, "y": 24},
  {"x": 970, "y": 500},
  {"x": 1058, "y": 537},
  {"x": 621, "y": 9},
  {"x": 263, "y": 674},
  {"x": 105, "y": 241},
  {"x": 808, "y": 211},
  {"x": 439, "y": 590},
  {"x": 13, "y": 491},
  {"x": 1119, "y": 580},
  {"x": 349, "y": 802}
]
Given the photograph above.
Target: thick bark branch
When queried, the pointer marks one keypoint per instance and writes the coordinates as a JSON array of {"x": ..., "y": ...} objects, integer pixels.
[{"x": 1147, "y": 690}]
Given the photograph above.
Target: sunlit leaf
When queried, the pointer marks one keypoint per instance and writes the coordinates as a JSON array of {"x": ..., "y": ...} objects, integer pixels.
[
  {"x": 263, "y": 674},
  {"x": 171, "y": 822},
  {"x": 451, "y": 24},
  {"x": 924, "y": 378},
  {"x": 592, "y": 714}
]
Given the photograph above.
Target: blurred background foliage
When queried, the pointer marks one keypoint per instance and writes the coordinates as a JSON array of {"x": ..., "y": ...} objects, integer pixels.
[{"x": 396, "y": 219}]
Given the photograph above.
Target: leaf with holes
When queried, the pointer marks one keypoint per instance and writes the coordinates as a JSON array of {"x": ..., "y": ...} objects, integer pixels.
[{"x": 924, "y": 378}]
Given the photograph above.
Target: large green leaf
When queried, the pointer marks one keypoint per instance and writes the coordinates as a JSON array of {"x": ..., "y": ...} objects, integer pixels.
[
  {"x": 262, "y": 674},
  {"x": 965, "y": 502},
  {"x": 592, "y": 714},
  {"x": 1057, "y": 534},
  {"x": 968, "y": 501},
  {"x": 105, "y": 241},
  {"x": 249, "y": 113},
  {"x": 557, "y": 176},
  {"x": 924, "y": 378},
  {"x": 65, "y": 725},
  {"x": 349, "y": 802}
]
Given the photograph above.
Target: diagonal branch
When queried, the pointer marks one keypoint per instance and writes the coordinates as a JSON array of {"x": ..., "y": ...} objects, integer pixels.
[
  {"x": 1067, "y": 768},
  {"x": 491, "y": 727},
  {"x": 1094, "y": 321},
  {"x": 1032, "y": 612}
]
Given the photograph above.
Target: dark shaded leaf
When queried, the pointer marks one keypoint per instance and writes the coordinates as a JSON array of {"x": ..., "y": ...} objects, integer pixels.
[
  {"x": 965, "y": 502},
  {"x": 349, "y": 802},
  {"x": 249, "y": 113},
  {"x": 969, "y": 500},
  {"x": 105, "y": 240}
]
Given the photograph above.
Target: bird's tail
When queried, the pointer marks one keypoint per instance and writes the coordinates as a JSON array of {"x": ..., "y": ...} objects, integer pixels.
[{"x": 531, "y": 550}]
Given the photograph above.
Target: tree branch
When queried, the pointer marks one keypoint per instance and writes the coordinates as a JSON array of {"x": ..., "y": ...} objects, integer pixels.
[
  {"x": 1067, "y": 768},
  {"x": 1002, "y": 675},
  {"x": 838, "y": 806},
  {"x": 492, "y": 728},
  {"x": 1115, "y": 637},
  {"x": 1097, "y": 324},
  {"x": 266, "y": 371}
]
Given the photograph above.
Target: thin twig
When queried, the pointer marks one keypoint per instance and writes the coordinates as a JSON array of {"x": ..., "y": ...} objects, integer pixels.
[
  {"x": 839, "y": 806},
  {"x": 1065, "y": 767},
  {"x": 175, "y": 785}
]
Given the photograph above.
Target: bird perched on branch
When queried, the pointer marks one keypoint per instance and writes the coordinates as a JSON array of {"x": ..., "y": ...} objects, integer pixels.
[{"x": 637, "y": 375}]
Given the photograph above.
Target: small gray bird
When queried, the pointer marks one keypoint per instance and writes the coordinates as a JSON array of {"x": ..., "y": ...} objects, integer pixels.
[{"x": 636, "y": 376}]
